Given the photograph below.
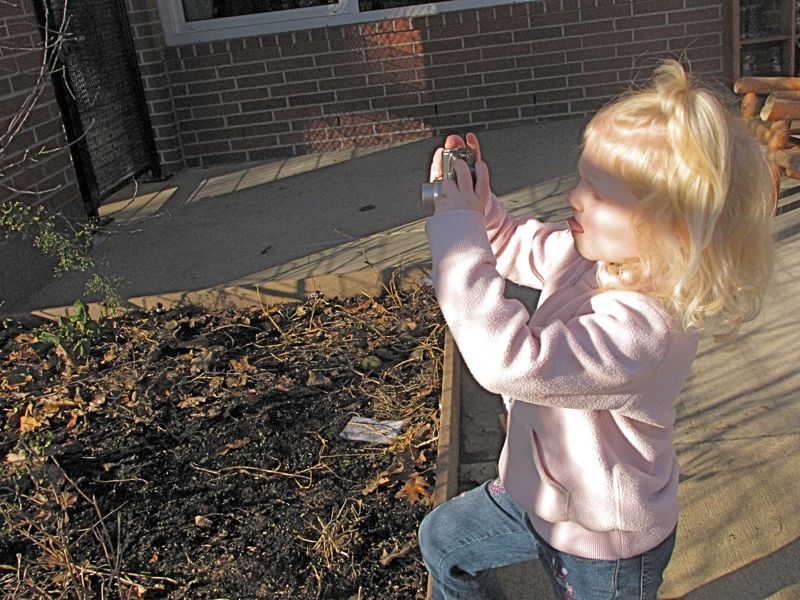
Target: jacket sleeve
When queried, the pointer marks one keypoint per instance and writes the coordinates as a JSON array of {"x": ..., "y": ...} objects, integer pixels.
[
  {"x": 522, "y": 248},
  {"x": 593, "y": 361}
]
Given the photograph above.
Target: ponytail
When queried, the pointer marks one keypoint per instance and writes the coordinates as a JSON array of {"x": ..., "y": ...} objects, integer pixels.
[{"x": 705, "y": 198}]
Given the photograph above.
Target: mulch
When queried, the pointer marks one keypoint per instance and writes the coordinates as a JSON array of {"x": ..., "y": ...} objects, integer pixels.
[{"x": 188, "y": 453}]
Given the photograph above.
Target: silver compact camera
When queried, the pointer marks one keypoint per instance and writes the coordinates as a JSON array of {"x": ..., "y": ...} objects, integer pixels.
[{"x": 431, "y": 191}]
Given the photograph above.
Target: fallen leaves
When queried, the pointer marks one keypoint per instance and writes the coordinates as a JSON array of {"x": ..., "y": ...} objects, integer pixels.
[
  {"x": 235, "y": 445},
  {"x": 415, "y": 489}
]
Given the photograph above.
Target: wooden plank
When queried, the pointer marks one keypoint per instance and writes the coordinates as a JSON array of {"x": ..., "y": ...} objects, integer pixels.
[
  {"x": 781, "y": 108},
  {"x": 765, "y": 85}
]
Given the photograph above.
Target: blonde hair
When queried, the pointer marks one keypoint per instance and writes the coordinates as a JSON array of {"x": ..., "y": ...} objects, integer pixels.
[{"x": 706, "y": 200}]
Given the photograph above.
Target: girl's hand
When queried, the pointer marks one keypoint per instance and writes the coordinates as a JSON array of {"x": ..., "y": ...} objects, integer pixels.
[{"x": 460, "y": 194}]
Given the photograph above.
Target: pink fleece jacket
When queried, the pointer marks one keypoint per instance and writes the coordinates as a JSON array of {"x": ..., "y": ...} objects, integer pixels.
[{"x": 593, "y": 379}]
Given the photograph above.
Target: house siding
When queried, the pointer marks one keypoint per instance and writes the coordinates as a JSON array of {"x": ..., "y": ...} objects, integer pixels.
[{"x": 277, "y": 95}]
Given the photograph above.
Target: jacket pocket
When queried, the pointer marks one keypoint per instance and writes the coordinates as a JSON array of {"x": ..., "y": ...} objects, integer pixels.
[{"x": 551, "y": 501}]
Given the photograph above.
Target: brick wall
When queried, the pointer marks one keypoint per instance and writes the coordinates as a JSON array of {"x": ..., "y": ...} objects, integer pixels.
[
  {"x": 262, "y": 97},
  {"x": 35, "y": 164}
]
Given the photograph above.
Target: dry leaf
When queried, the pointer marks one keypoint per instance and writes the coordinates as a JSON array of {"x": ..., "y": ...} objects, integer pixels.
[
  {"x": 75, "y": 413},
  {"x": 68, "y": 499},
  {"x": 28, "y": 424},
  {"x": 15, "y": 458},
  {"x": 242, "y": 365},
  {"x": 192, "y": 401},
  {"x": 318, "y": 380},
  {"x": 397, "y": 552},
  {"x": 232, "y": 446},
  {"x": 393, "y": 474},
  {"x": 202, "y": 362},
  {"x": 415, "y": 489},
  {"x": 238, "y": 380},
  {"x": 201, "y": 521}
]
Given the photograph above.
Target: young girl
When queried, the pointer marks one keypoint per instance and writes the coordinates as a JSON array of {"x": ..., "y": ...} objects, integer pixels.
[{"x": 670, "y": 234}]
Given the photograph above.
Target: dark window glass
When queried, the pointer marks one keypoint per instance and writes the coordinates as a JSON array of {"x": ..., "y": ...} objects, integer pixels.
[
  {"x": 200, "y": 10},
  {"x": 366, "y": 5}
]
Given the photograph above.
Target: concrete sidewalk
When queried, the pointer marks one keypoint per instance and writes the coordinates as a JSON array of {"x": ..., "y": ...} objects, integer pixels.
[
  {"x": 296, "y": 219},
  {"x": 278, "y": 230}
]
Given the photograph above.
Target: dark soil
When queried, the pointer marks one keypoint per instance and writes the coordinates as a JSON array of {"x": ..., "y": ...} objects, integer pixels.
[{"x": 191, "y": 454}]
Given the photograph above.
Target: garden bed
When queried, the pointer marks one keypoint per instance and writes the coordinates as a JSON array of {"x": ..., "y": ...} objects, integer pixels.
[{"x": 197, "y": 454}]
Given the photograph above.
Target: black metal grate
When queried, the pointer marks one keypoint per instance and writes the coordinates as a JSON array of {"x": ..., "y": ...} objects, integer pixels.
[{"x": 102, "y": 94}]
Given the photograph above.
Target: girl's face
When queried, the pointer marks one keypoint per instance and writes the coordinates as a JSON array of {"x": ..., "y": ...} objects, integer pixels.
[{"x": 603, "y": 205}]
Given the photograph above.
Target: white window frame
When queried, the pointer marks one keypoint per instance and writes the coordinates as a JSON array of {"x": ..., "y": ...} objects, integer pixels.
[{"x": 178, "y": 31}]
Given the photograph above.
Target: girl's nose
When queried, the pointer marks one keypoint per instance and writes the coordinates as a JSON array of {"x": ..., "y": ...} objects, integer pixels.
[{"x": 572, "y": 199}]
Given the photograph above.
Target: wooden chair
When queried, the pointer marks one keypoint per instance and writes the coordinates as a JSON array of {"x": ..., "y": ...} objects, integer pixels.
[{"x": 770, "y": 105}]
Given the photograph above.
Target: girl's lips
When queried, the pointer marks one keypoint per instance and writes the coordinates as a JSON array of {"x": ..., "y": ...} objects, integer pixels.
[{"x": 574, "y": 225}]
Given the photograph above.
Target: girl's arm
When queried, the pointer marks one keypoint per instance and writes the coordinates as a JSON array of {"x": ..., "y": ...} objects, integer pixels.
[
  {"x": 590, "y": 362},
  {"x": 522, "y": 248}
]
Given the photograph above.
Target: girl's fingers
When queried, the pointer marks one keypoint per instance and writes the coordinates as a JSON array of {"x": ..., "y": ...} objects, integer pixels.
[
  {"x": 454, "y": 141},
  {"x": 463, "y": 177},
  {"x": 474, "y": 145},
  {"x": 482, "y": 186},
  {"x": 436, "y": 165}
]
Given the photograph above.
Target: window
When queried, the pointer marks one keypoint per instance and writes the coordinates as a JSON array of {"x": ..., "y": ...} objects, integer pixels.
[{"x": 191, "y": 21}]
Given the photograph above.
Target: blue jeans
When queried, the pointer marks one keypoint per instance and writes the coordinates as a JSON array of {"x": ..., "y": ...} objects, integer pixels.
[{"x": 484, "y": 528}]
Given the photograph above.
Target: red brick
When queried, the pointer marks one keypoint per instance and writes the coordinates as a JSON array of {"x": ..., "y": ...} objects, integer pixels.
[
  {"x": 338, "y": 58},
  {"x": 394, "y": 101},
  {"x": 465, "y": 81},
  {"x": 496, "y": 89},
  {"x": 198, "y": 100},
  {"x": 499, "y": 114},
  {"x": 487, "y": 39},
  {"x": 260, "y": 81},
  {"x": 511, "y": 75},
  {"x": 211, "y": 160},
  {"x": 642, "y": 48},
  {"x": 346, "y": 107},
  {"x": 264, "y": 104},
  {"x": 401, "y": 63},
  {"x": 214, "y": 85},
  {"x": 698, "y": 29},
  {"x": 504, "y": 24},
  {"x": 404, "y": 87},
  {"x": 301, "y": 112},
  {"x": 694, "y": 16},
  {"x": 511, "y": 100},
  {"x": 651, "y": 20},
  {"x": 606, "y": 12},
  {"x": 201, "y": 112},
  {"x": 538, "y": 33},
  {"x": 295, "y": 50},
  {"x": 292, "y": 89},
  {"x": 314, "y": 73},
  {"x": 551, "y": 90},
  {"x": 318, "y": 98},
  {"x": 459, "y": 57},
  {"x": 560, "y": 108},
  {"x": 238, "y": 70},
  {"x": 588, "y": 28},
  {"x": 585, "y": 79},
  {"x": 658, "y": 33},
  {"x": 250, "y": 143},
  {"x": 250, "y": 119},
  {"x": 555, "y": 45},
  {"x": 648, "y": 6},
  {"x": 557, "y": 70},
  {"x": 485, "y": 66},
  {"x": 534, "y": 60}
]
